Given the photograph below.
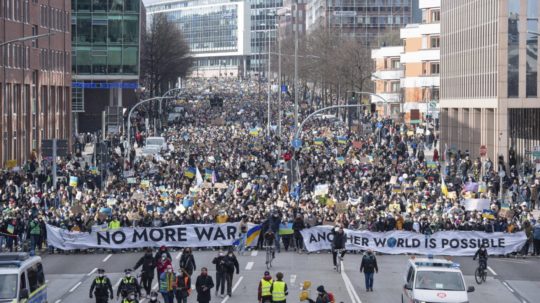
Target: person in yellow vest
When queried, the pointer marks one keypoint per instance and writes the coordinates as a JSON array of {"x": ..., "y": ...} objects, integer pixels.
[
  {"x": 114, "y": 224},
  {"x": 264, "y": 293},
  {"x": 279, "y": 289},
  {"x": 131, "y": 298},
  {"x": 101, "y": 287}
]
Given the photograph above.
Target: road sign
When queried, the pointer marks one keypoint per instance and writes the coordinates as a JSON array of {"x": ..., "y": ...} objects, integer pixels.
[
  {"x": 483, "y": 151},
  {"x": 432, "y": 104},
  {"x": 297, "y": 143},
  {"x": 379, "y": 125},
  {"x": 61, "y": 148},
  {"x": 283, "y": 88}
]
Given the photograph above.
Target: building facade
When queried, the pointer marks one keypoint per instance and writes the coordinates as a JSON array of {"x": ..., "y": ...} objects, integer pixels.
[
  {"x": 106, "y": 39},
  {"x": 387, "y": 77},
  {"x": 365, "y": 20},
  {"x": 217, "y": 31},
  {"x": 421, "y": 62},
  {"x": 35, "y": 77},
  {"x": 489, "y": 77}
]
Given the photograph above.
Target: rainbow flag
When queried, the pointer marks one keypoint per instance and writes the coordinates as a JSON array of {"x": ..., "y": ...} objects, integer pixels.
[
  {"x": 342, "y": 139},
  {"x": 190, "y": 172},
  {"x": 340, "y": 160},
  {"x": 318, "y": 141}
]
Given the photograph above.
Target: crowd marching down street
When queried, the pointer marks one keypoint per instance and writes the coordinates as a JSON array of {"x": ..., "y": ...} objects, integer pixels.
[{"x": 221, "y": 166}]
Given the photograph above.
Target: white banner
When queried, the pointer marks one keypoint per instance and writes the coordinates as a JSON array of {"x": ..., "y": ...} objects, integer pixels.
[
  {"x": 189, "y": 235},
  {"x": 450, "y": 243}
]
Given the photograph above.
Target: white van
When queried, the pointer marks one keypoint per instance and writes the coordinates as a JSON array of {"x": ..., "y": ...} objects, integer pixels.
[
  {"x": 22, "y": 279},
  {"x": 435, "y": 281}
]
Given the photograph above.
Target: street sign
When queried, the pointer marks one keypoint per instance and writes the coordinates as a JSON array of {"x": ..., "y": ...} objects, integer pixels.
[
  {"x": 432, "y": 104},
  {"x": 379, "y": 125},
  {"x": 297, "y": 143},
  {"x": 483, "y": 151},
  {"x": 47, "y": 148},
  {"x": 283, "y": 88}
]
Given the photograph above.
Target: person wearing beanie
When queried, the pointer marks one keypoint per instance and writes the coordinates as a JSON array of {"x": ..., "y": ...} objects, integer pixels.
[
  {"x": 264, "y": 293},
  {"x": 322, "y": 296}
]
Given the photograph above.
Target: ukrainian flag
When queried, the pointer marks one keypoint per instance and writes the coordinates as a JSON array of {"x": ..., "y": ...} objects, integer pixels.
[
  {"x": 285, "y": 229},
  {"x": 253, "y": 235},
  {"x": 340, "y": 160},
  {"x": 342, "y": 139},
  {"x": 409, "y": 189},
  {"x": 318, "y": 141},
  {"x": 254, "y": 132},
  {"x": 396, "y": 188},
  {"x": 431, "y": 164},
  {"x": 208, "y": 173},
  {"x": 444, "y": 188},
  {"x": 190, "y": 172}
]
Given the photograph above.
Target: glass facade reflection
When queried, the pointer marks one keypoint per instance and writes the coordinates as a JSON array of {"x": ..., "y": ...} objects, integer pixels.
[
  {"x": 532, "y": 48},
  {"x": 513, "y": 48},
  {"x": 105, "y": 37},
  {"x": 263, "y": 28}
]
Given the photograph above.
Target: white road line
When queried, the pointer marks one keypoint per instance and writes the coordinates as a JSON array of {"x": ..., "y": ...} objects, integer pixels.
[
  {"x": 178, "y": 255},
  {"x": 508, "y": 286},
  {"x": 46, "y": 281},
  {"x": 249, "y": 265},
  {"x": 293, "y": 279},
  {"x": 234, "y": 288},
  {"x": 254, "y": 253},
  {"x": 57, "y": 301},
  {"x": 155, "y": 286},
  {"x": 492, "y": 271},
  {"x": 107, "y": 258},
  {"x": 75, "y": 287},
  {"x": 92, "y": 272},
  {"x": 118, "y": 283},
  {"x": 350, "y": 288}
]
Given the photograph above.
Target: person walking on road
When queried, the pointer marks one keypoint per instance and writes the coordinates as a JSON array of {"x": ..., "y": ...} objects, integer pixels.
[
  {"x": 128, "y": 284},
  {"x": 187, "y": 261},
  {"x": 279, "y": 289},
  {"x": 264, "y": 293},
  {"x": 131, "y": 298},
  {"x": 167, "y": 285},
  {"x": 183, "y": 286},
  {"x": 231, "y": 263},
  {"x": 163, "y": 262},
  {"x": 221, "y": 271},
  {"x": 338, "y": 244},
  {"x": 148, "y": 264},
  {"x": 101, "y": 288},
  {"x": 203, "y": 285},
  {"x": 369, "y": 267},
  {"x": 322, "y": 296},
  {"x": 536, "y": 237}
]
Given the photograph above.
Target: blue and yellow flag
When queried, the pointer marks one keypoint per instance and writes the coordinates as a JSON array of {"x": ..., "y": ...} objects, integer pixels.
[
  {"x": 340, "y": 160},
  {"x": 318, "y": 141},
  {"x": 396, "y": 188},
  {"x": 342, "y": 139},
  {"x": 208, "y": 174},
  {"x": 285, "y": 229},
  {"x": 254, "y": 132},
  {"x": 190, "y": 172}
]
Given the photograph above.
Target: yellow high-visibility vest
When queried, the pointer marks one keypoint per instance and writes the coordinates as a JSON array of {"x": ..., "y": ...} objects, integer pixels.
[
  {"x": 278, "y": 291},
  {"x": 265, "y": 288}
]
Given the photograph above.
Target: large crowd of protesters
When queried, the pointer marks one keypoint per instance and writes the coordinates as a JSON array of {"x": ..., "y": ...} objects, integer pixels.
[{"x": 222, "y": 164}]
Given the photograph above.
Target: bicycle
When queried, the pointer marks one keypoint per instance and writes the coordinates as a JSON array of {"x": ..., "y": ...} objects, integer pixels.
[
  {"x": 339, "y": 259},
  {"x": 269, "y": 256},
  {"x": 480, "y": 274}
]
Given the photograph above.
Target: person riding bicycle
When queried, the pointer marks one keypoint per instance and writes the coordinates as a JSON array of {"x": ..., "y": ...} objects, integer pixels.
[
  {"x": 338, "y": 243},
  {"x": 482, "y": 256},
  {"x": 269, "y": 238}
]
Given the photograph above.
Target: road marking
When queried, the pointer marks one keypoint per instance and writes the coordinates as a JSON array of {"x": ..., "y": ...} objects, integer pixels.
[
  {"x": 293, "y": 279},
  {"x": 178, "y": 255},
  {"x": 155, "y": 286},
  {"x": 508, "y": 286},
  {"x": 249, "y": 265},
  {"x": 107, "y": 258},
  {"x": 57, "y": 301},
  {"x": 349, "y": 286},
  {"x": 90, "y": 273},
  {"x": 117, "y": 283},
  {"x": 492, "y": 271},
  {"x": 75, "y": 287},
  {"x": 234, "y": 288},
  {"x": 46, "y": 281},
  {"x": 254, "y": 253}
]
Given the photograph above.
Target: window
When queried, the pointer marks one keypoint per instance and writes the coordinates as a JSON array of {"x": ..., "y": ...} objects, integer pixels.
[
  {"x": 394, "y": 64},
  {"x": 23, "y": 281},
  {"x": 394, "y": 87},
  {"x": 435, "y": 42},
  {"x": 35, "y": 277},
  {"x": 410, "y": 277},
  {"x": 34, "y": 33},
  {"x": 434, "y": 68},
  {"x": 435, "y": 16}
]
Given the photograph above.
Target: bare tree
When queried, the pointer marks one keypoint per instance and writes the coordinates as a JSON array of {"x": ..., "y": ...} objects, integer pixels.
[{"x": 165, "y": 55}]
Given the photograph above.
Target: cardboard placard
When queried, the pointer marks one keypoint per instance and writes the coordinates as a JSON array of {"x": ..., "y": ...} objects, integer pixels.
[
  {"x": 393, "y": 180},
  {"x": 341, "y": 208},
  {"x": 506, "y": 213},
  {"x": 77, "y": 209},
  {"x": 452, "y": 195}
]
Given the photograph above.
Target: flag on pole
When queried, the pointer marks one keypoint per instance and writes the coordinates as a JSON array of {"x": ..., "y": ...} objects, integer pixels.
[
  {"x": 214, "y": 177},
  {"x": 444, "y": 188},
  {"x": 318, "y": 141},
  {"x": 340, "y": 160},
  {"x": 198, "y": 177},
  {"x": 189, "y": 172}
]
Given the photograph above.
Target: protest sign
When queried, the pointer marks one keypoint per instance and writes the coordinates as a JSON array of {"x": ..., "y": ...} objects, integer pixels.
[
  {"x": 189, "y": 235},
  {"x": 450, "y": 243},
  {"x": 321, "y": 189},
  {"x": 476, "y": 204}
]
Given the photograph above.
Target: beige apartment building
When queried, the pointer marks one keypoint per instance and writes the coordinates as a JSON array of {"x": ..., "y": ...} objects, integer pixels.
[
  {"x": 387, "y": 77},
  {"x": 421, "y": 62},
  {"x": 489, "y": 77}
]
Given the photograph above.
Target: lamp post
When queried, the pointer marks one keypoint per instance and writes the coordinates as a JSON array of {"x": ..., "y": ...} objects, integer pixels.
[
  {"x": 269, "y": 85},
  {"x": 295, "y": 67}
]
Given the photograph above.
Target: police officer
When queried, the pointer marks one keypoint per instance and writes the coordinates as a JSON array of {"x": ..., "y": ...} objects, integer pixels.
[
  {"x": 131, "y": 298},
  {"x": 127, "y": 285},
  {"x": 101, "y": 287},
  {"x": 279, "y": 289}
]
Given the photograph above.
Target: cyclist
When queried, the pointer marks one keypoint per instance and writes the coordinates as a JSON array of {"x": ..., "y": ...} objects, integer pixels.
[
  {"x": 338, "y": 243},
  {"x": 269, "y": 238},
  {"x": 482, "y": 256}
]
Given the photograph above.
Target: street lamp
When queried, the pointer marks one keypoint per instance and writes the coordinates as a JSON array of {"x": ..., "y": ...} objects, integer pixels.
[{"x": 27, "y": 38}]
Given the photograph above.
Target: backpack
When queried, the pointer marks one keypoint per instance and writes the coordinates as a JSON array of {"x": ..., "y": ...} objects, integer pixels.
[{"x": 331, "y": 297}]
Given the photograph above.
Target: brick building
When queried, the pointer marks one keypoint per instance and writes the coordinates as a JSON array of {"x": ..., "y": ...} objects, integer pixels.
[{"x": 35, "y": 76}]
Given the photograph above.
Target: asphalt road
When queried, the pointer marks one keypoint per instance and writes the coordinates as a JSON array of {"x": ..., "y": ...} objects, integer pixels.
[{"x": 510, "y": 280}]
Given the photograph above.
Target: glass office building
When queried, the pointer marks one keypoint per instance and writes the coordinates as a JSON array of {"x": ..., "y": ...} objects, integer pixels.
[
  {"x": 105, "y": 57},
  {"x": 216, "y": 30},
  {"x": 263, "y": 28}
]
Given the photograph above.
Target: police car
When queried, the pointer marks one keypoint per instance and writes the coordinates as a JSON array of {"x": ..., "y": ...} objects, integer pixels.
[
  {"x": 22, "y": 279},
  {"x": 431, "y": 280}
]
